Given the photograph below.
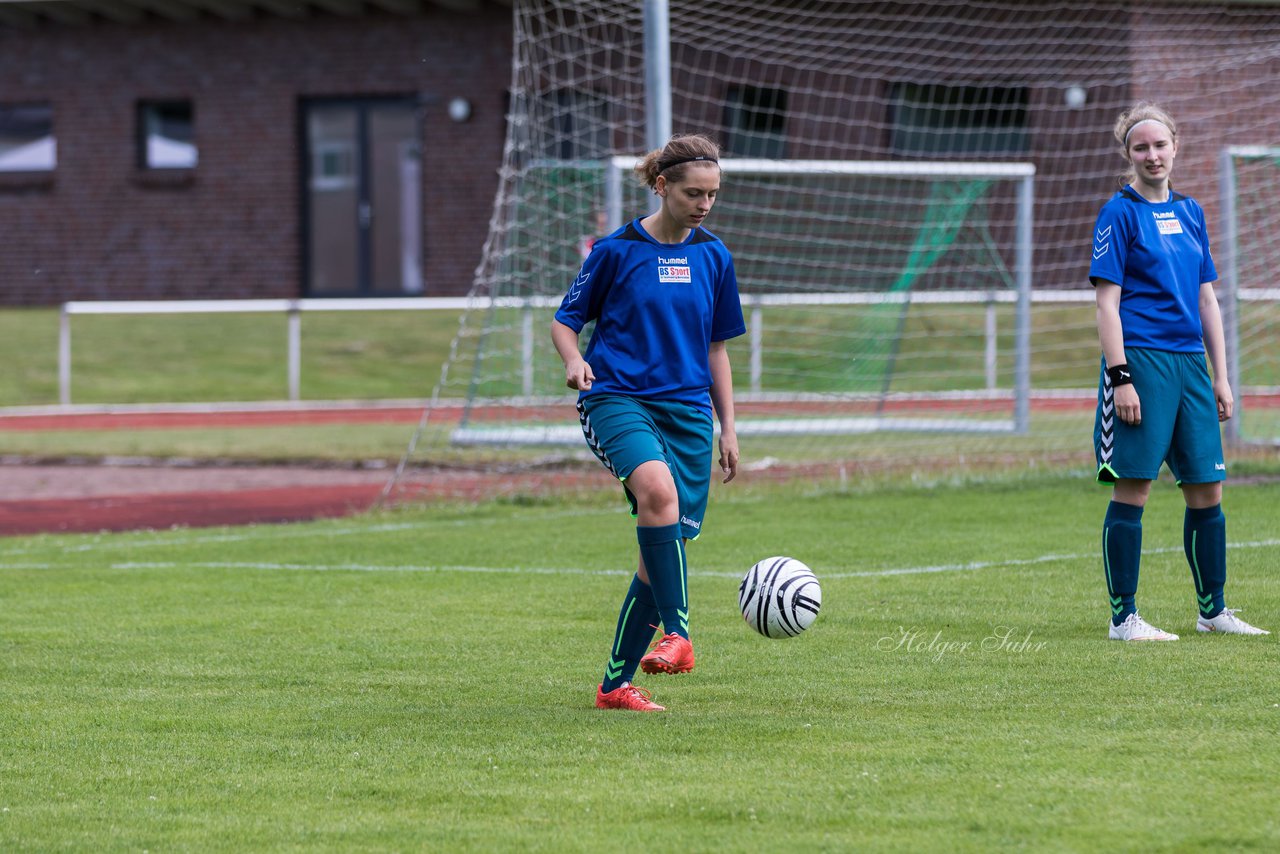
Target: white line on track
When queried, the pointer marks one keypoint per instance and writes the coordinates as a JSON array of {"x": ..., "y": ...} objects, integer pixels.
[
  {"x": 359, "y": 567},
  {"x": 993, "y": 564},
  {"x": 535, "y": 570}
]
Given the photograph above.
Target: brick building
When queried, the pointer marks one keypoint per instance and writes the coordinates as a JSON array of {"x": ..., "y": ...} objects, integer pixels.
[
  {"x": 237, "y": 149},
  {"x": 282, "y": 148}
]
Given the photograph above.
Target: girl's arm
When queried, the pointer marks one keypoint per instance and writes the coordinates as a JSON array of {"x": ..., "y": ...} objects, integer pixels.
[
  {"x": 1215, "y": 346},
  {"x": 577, "y": 373},
  {"x": 722, "y": 400}
]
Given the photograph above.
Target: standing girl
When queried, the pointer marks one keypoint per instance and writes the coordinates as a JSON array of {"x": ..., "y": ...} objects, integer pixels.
[
  {"x": 664, "y": 297},
  {"x": 1157, "y": 403}
]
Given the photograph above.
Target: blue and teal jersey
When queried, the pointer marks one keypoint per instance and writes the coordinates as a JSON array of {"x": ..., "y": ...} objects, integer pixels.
[
  {"x": 657, "y": 307},
  {"x": 1159, "y": 256}
]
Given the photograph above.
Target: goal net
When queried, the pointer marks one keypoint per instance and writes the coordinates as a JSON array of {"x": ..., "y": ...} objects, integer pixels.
[
  {"x": 1248, "y": 260},
  {"x": 877, "y": 161}
]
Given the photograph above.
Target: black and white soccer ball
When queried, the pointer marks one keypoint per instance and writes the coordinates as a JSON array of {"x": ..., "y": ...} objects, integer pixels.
[{"x": 780, "y": 597}]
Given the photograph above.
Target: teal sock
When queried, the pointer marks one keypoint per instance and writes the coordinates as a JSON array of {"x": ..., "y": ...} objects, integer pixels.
[
  {"x": 1121, "y": 557},
  {"x": 1204, "y": 538},
  {"x": 636, "y": 623},
  {"x": 662, "y": 549}
]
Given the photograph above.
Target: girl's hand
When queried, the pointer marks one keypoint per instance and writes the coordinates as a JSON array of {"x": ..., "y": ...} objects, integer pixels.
[
  {"x": 1128, "y": 407},
  {"x": 729, "y": 454},
  {"x": 578, "y": 375},
  {"x": 1226, "y": 401}
]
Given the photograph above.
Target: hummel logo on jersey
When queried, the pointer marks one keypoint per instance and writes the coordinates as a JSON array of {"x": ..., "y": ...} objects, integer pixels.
[
  {"x": 1100, "y": 242},
  {"x": 674, "y": 270},
  {"x": 576, "y": 288}
]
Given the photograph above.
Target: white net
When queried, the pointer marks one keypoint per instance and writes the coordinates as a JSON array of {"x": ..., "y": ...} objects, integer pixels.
[
  {"x": 917, "y": 322},
  {"x": 1251, "y": 224}
]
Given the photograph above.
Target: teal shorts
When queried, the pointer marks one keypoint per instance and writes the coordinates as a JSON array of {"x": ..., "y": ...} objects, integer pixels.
[
  {"x": 1179, "y": 422},
  {"x": 624, "y": 432}
]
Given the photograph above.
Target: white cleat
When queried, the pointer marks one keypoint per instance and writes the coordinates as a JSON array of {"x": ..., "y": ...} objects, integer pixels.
[
  {"x": 1134, "y": 628},
  {"x": 1228, "y": 623}
]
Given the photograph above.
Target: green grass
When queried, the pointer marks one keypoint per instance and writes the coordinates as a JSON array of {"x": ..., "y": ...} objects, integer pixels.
[
  {"x": 398, "y": 354},
  {"x": 1057, "y": 442},
  {"x": 388, "y": 355},
  {"x": 942, "y": 348},
  {"x": 223, "y": 357},
  {"x": 422, "y": 680}
]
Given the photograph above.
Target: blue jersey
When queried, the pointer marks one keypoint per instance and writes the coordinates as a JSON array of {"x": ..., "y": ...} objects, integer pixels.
[
  {"x": 1159, "y": 256},
  {"x": 657, "y": 307}
]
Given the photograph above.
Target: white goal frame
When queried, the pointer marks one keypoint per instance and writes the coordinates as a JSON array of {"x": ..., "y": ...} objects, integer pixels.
[
  {"x": 1230, "y": 294},
  {"x": 618, "y": 169}
]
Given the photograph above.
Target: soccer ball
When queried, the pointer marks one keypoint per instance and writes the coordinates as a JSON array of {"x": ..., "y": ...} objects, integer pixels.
[{"x": 780, "y": 597}]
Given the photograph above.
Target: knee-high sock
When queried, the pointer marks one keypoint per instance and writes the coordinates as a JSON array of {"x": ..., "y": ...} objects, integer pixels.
[
  {"x": 1121, "y": 557},
  {"x": 636, "y": 623},
  {"x": 1204, "y": 538},
  {"x": 662, "y": 549}
]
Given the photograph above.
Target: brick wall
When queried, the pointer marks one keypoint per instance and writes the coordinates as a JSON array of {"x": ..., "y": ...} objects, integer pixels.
[{"x": 98, "y": 227}]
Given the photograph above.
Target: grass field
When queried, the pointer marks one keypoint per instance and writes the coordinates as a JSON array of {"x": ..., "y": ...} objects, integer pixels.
[
  {"x": 398, "y": 354},
  {"x": 223, "y": 357},
  {"x": 421, "y": 680},
  {"x": 387, "y": 355}
]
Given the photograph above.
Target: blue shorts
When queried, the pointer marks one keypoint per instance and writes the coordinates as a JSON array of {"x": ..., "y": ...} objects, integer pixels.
[
  {"x": 624, "y": 432},
  {"x": 1179, "y": 421}
]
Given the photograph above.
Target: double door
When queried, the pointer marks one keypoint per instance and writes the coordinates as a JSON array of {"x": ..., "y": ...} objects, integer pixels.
[{"x": 362, "y": 198}]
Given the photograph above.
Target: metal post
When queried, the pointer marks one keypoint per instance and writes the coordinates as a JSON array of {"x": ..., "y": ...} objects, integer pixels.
[
  {"x": 64, "y": 356},
  {"x": 989, "y": 357},
  {"x": 612, "y": 195},
  {"x": 526, "y": 350},
  {"x": 1022, "y": 323},
  {"x": 657, "y": 72},
  {"x": 1228, "y": 296},
  {"x": 757, "y": 345},
  {"x": 294, "y": 322}
]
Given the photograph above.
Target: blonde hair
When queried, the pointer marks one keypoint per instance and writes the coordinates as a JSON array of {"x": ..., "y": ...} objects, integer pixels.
[
  {"x": 1143, "y": 111},
  {"x": 673, "y": 159}
]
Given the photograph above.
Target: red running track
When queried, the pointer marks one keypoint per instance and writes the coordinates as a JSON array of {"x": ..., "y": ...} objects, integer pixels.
[
  {"x": 208, "y": 497},
  {"x": 183, "y": 509}
]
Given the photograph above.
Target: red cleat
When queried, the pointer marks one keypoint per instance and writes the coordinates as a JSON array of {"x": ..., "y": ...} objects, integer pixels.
[
  {"x": 670, "y": 654},
  {"x": 627, "y": 696}
]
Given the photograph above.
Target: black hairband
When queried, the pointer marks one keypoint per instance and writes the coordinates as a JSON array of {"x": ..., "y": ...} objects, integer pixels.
[{"x": 704, "y": 157}]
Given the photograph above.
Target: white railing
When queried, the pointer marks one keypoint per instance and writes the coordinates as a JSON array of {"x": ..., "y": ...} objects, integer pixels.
[
  {"x": 753, "y": 305},
  {"x": 293, "y": 309}
]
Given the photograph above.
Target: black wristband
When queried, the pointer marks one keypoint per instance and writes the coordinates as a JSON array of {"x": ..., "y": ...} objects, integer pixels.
[{"x": 1120, "y": 375}]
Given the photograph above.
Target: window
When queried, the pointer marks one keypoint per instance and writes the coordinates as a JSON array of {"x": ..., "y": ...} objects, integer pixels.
[
  {"x": 931, "y": 119},
  {"x": 333, "y": 164},
  {"x": 166, "y": 135},
  {"x": 755, "y": 121},
  {"x": 26, "y": 138}
]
